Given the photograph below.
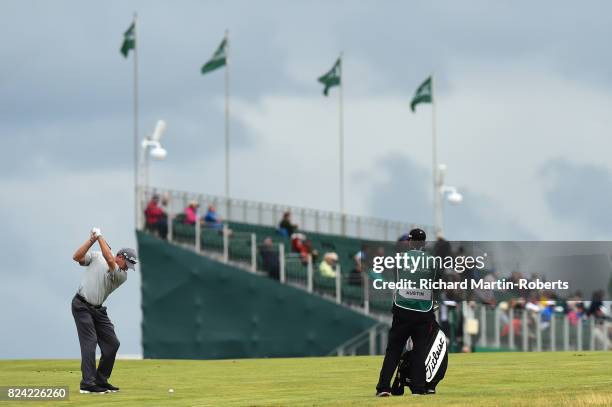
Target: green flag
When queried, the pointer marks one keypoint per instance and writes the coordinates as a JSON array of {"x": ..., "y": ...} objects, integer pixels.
[
  {"x": 218, "y": 59},
  {"x": 422, "y": 95},
  {"x": 129, "y": 40},
  {"x": 331, "y": 78}
]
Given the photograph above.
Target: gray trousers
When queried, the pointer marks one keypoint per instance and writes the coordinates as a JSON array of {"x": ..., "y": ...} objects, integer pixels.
[{"x": 94, "y": 328}]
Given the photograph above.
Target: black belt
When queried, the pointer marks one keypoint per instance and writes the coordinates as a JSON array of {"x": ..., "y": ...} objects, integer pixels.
[{"x": 83, "y": 300}]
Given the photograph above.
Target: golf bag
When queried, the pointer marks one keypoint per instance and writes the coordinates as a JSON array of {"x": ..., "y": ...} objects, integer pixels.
[{"x": 436, "y": 362}]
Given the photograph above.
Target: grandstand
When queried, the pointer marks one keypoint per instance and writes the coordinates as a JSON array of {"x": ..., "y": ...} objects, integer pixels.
[{"x": 344, "y": 317}]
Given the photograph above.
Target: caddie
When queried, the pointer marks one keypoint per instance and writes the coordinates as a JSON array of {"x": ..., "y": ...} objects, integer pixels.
[{"x": 413, "y": 317}]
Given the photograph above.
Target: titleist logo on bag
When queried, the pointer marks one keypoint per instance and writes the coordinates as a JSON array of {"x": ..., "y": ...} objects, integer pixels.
[{"x": 435, "y": 356}]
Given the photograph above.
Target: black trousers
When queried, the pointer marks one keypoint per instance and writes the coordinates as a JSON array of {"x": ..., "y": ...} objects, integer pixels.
[
  {"x": 406, "y": 324},
  {"x": 94, "y": 328}
]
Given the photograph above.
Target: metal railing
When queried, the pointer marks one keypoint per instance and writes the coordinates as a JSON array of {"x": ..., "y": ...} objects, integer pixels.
[
  {"x": 372, "y": 341},
  {"x": 269, "y": 214},
  {"x": 532, "y": 330}
]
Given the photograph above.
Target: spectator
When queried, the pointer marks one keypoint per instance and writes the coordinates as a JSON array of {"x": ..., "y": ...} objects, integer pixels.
[
  {"x": 515, "y": 304},
  {"x": 355, "y": 277},
  {"x": 269, "y": 259},
  {"x": 327, "y": 268},
  {"x": 575, "y": 312},
  {"x": 212, "y": 219},
  {"x": 597, "y": 306},
  {"x": 533, "y": 304},
  {"x": 191, "y": 213},
  {"x": 298, "y": 246},
  {"x": 156, "y": 218},
  {"x": 285, "y": 227},
  {"x": 547, "y": 313},
  {"x": 309, "y": 250},
  {"x": 361, "y": 254},
  {"x": 442, "y": 247},
  {"x": 484, "y": 295}
]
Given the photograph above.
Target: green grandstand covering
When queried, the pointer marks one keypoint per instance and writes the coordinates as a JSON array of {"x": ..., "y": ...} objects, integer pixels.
[{"x": 195, "y": 307}]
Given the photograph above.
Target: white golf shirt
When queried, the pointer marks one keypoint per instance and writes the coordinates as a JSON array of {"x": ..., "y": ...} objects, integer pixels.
[{"x": 97, "y": 282}]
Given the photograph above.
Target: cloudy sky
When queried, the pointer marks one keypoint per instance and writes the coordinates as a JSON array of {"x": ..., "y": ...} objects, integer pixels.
[{"x": 524, "y": 108}]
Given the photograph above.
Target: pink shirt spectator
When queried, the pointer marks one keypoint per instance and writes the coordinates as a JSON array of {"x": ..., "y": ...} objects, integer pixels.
[{"x": 191, "y": 215}]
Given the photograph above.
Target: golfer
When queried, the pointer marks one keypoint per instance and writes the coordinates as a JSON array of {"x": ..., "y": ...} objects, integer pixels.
[
  {"x": 103, "y": 273},
  {"x": 413, "y": 317}
]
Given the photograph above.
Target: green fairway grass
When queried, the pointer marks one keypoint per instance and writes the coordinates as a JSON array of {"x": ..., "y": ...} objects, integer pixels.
[{"x": 478, "y": 379}]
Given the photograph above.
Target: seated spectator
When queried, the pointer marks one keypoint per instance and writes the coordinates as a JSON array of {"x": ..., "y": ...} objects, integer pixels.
[
  {"x": 297, "y": 243},
  {"x": 309, "y": 250},
  {"x": 269, "y": 258},
  {"x": 327, "y": 268},
  {"x": 285, "y": 227},
  {"x": 356, "y": 277},
  {"x": 191, "y": 213},
  {"x": 212, "y": 219},
  {"x": 303, "y": 246},
  {"x": 156, "y": 218}
]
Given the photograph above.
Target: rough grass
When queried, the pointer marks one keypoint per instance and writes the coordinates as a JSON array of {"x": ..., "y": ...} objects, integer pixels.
[{"x": 486, "y": 379}]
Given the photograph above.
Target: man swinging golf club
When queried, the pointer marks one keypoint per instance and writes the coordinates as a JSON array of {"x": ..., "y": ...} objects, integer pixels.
[{"x": 103, "y": 273}]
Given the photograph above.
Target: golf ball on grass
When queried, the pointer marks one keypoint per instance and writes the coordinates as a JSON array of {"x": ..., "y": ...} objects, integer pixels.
[{"x": 170, "y": 390}]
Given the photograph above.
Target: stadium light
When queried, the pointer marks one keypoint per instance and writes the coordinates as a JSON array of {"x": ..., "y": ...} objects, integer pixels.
[
  {"x": 445, "y": 192},
  {"x": 159, "y": 153},
  {"x": 152, "y": 147},
  {"x": 452, "y": 195},
  {"x": 152, "y": 143}
]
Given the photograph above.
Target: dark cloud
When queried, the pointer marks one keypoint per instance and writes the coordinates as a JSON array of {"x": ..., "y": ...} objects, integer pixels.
[
  {"x": 408, "y": 40},
  {"x": 579, "y": 193},
  {"x": 406, "y": 194},
  {"x": 105, "y": 143},
  {"x": 67, "y": 92}
]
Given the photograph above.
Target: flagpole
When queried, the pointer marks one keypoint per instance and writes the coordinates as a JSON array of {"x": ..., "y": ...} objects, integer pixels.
[
  {"x": 434, "y": 155},
  {"x": 136, "y": 163},
  {"x": 227, "y": 134},
  {"x": 341, "y": 130}
]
